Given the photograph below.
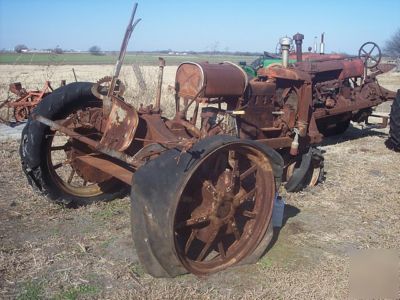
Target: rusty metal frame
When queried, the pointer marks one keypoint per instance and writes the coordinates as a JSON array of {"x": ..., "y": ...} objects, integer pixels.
[{"x": 27, "y": 99}]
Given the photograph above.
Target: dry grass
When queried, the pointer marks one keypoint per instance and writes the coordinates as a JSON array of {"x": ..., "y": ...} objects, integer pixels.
[
  {"x": 33, "y": 77},
  {"x": 47, "y": 251},
  {"x": 53, "y": 252}
]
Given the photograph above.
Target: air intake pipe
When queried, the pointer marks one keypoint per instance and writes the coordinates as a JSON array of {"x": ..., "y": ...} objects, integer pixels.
[{"x": 285, "y": 47}]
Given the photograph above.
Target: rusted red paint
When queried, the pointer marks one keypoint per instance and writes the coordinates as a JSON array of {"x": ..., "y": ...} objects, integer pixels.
[
  {"x": 23, "y": 106},
  {"x": 284, "y": 73},
  {"x": 216, "y": 80},
  {"x": 285, "y": 108}
]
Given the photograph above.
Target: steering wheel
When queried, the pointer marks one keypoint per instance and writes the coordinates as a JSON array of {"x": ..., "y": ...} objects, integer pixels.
[{"x": 370, "y": 54}]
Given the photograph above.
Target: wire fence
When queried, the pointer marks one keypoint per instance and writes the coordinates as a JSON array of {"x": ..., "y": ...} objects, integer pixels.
[{"x": 140, "y": 81}]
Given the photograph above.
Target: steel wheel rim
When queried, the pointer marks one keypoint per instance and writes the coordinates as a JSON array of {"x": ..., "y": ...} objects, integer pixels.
[
  {"x": 227, "y": 248},
  {"x": 91, "y": 190},
  {"x": 84, "y": 189}
]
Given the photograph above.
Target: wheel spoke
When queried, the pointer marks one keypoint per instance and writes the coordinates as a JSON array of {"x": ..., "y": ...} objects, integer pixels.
[
  {"x": 59, "y": 165},
  {"x": 235, "y": 230},
  {"x": 234, "y": 163},
  {"x": 71, "y": 175},
  {"x": 364, "y": 51},
  {"x": 56, "y": 148},
  {"x": 219, "y": 164},
  {"x": 207, "y": 246},
  {"x": 211, "y": 188},
  {"x": 242, "y": 196},
  {"x": 221, "y": 250},
  {"x": 370, "y": 52},
  {"x": 190, "y": 240},
  {"x": 192, "y": 222},
  {"x": 249, "y": 171},
  {"x": 249, "y": 214}
]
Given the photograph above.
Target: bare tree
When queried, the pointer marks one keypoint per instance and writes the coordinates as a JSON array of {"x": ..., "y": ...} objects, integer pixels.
[
  {"x": 95, "y": 50},
  {"x": 20, "y": 47},
  {"x": 58, "y": 50},
  {"x": 392, "y": 46}
]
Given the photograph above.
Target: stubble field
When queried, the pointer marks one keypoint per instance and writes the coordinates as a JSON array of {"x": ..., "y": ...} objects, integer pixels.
[{"x": 47, "y": 251}]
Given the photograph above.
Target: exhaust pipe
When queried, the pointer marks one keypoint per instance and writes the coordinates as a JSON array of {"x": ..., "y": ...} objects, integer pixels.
[
  {"x": 315, "y": 44},
  {"x": 298, "y": 38},
  {"x": 322, "y": 46},
  {"x": 285, "y": 46}
]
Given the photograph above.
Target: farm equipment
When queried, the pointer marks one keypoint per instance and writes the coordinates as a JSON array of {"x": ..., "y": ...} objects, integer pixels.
[
  {"x": 202, "y": 184},
  {"x": 26, "y": 101}
]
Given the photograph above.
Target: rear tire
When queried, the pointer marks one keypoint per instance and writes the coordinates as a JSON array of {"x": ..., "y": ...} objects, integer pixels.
[
  {"x": 170, "y": 189},
  {"x": 393, "y": 142},
  {"x": 36, "y": 144}
]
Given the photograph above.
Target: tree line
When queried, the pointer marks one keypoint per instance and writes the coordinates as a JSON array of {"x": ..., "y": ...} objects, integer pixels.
[{"x": 391, "y": 48}]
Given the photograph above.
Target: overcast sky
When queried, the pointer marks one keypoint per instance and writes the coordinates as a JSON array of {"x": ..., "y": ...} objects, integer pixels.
[{"x": 196, "y": 25}]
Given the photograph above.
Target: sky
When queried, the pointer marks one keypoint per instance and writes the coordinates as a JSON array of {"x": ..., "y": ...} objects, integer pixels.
[{"x": 196, "y": 25}]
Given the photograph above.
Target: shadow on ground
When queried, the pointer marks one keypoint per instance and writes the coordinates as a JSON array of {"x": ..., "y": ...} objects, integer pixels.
[
  {"x": 289, "y": 212},
  {"x": 353, "y": 133}
]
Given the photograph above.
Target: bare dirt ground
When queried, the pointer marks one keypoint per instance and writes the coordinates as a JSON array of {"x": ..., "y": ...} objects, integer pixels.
[{"x": 47, "y": 251}]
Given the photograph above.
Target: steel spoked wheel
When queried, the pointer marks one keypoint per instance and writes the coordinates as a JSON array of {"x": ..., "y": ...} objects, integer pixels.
[
  {"x": 204, "y": 209},
  {"x": 224, "y": 210},
  {"x": 21, "y": 113},
  {"x": 54, "y": 163},
  {"x": 67, "y": 171}
]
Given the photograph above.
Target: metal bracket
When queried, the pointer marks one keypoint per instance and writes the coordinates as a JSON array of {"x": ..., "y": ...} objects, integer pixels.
[{"x": 383, "y": 124}]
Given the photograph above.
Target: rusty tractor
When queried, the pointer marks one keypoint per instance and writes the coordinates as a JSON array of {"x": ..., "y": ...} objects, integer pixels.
[
  {"x": 202, "y": 183},
  {"x": 25, "y": 103}
]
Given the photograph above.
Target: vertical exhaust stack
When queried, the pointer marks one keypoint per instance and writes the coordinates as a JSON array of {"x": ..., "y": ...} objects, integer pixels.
[
  {"x": 315, "y": 44},
  {"x": 298, "y": 38},
  {"x": 322, "y": 46},
  {"x": 285, "y": 46}
]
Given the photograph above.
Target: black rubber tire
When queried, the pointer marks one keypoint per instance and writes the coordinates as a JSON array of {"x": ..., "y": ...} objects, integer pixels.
[
  {"x": 301, "y": 180},
  {"x": 339, "y": 128},
  {"x": 393, "y": 142},
  {"x": 154, "y": 202},
  {"x": 34, "y": 141}
]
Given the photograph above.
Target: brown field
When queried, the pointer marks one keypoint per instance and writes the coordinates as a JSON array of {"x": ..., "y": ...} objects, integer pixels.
[{"x": 47, "y": 251}]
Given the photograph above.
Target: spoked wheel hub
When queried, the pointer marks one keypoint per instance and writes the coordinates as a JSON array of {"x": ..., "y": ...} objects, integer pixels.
[
  {"x": 219, "y": 203},
  {"x": 51, "y": 159},
  {"x": 72, "y": 175},
  {"x": 229, "y": 209}
]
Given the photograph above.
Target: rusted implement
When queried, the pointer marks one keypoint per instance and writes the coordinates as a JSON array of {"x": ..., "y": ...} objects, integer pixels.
[
  {"x": 202, "y": 183},
  {"x": 25, "y": 103}
]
